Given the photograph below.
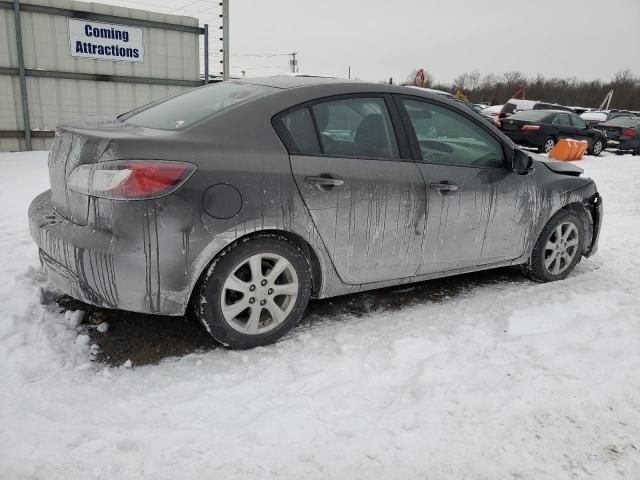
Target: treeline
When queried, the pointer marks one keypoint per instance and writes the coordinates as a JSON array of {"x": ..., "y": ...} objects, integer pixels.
[{"x": 497, "y": 89}]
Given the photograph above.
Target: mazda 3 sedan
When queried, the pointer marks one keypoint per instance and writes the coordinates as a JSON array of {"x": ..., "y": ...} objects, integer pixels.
[{"x": 244, "y": 199}]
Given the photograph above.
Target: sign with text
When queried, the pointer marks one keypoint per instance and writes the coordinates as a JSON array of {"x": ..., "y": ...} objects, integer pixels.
[{"x": 105, "y": 41}]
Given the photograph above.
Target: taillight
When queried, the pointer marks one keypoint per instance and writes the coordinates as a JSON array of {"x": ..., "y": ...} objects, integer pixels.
[
  {"x": 530, "y": 128},
  {"x": 628, "y": 132},
  {"x": 499, "y": 124},
  {"x": 130, "y": 179}
]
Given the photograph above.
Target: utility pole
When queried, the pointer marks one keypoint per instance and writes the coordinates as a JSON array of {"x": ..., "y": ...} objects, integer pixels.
[
  {"x": 293, "y": 63},
  {"x": 349, "y": 72},
  {"x": 225, "y": 39}
]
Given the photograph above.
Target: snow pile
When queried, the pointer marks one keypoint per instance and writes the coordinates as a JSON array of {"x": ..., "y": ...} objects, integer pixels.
[{"x": 506, "y": 380}]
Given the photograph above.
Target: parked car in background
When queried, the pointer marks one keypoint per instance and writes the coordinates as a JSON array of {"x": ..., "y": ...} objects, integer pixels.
[
  {"x": 243, "y": 199},
  {"x": 478, "y": 107},
  {"x": 516, "y": 105},
  {"x": 491, "y": 113},
  {"x": 595, "y": 117},
  {"x": 542, "y": 129},
  {"x": 623, "y": 134},
  {"x": 578, "y": 110}
]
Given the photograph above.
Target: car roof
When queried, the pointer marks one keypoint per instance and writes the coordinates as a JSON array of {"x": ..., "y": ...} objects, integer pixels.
[
  {"x": 333, "y": 86},
  {"x": 294, "y": 81},
  {"x": 432, "y": 90},
  {"x": 554, "y": 110}
]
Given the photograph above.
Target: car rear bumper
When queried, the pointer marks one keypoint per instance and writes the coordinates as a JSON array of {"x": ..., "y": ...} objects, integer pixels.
[
  {"x": 624, "y": 144},
  {"x": 95, "y": 267}
]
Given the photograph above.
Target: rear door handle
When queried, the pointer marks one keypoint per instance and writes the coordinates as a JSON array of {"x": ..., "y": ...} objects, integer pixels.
[
  {"x": 324, "y": 181},
  {"x": 444, "y": 187}
]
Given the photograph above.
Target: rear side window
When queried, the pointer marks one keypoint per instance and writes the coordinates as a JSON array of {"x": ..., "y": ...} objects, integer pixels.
[
  {"x": 562, "y": 120},
  {"x": 298, "y": 127},
  {"x": 578, "y": 122},
  {"x": 194, "y": 105},
  {"x": 356, "y": 127}
]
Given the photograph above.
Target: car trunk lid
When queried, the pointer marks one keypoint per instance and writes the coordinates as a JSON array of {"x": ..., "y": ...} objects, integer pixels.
[
  {"x": 613, "y": 133},
  {"x": 513, "y": 125},
  {"x": 71, "y": 148}
]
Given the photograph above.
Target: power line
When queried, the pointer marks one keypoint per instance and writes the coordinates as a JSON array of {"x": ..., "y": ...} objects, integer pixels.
[{"x": 214, "y": 54}]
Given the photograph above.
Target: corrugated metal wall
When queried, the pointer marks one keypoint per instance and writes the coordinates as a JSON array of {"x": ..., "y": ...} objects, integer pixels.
[{"x": 169, "y": 55}]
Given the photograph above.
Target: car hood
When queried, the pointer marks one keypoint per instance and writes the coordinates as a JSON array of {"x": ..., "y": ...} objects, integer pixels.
[{"x": 564, "y": 168}]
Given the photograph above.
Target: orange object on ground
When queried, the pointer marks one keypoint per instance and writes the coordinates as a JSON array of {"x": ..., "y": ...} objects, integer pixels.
[{"x": 568, "y": 149}]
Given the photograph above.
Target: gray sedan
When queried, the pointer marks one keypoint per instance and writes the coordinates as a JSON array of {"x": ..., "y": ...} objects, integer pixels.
[{"x": 245, "y": 199}]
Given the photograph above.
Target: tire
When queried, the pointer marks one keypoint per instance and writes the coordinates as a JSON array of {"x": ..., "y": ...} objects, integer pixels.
[
  {"x": 548, "y": 145},
  {"x": 597, "y": 148},
  {"x": 239, "y": 277},
  {"x": 541, "y": 266}
]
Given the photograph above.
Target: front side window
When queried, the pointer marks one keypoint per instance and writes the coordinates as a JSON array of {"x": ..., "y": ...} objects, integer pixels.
[
  {"x": 194, "y": 105},
  {"x": 356, "y": 127},
  {"x": 446, "y": 137}
]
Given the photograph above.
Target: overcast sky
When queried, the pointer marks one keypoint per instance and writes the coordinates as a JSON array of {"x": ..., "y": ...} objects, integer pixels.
[{"x": 379, "y": 39}]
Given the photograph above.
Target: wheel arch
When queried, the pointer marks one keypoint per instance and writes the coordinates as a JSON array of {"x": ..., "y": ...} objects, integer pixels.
[
  {"x": 585, "y": 215},
  {"x": 306, "y": 248}
]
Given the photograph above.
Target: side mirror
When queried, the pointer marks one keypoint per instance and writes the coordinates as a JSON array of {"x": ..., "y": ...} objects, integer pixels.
[{"x": 522, "y": 162}]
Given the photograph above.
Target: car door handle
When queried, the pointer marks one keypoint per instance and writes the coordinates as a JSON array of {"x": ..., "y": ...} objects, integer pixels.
[
  {"x": 324, "y": 181},
  {"x": 444, "y": 187}
]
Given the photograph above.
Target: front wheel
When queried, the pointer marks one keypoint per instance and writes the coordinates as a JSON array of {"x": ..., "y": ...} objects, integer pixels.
[
  {"x": 558, "y": 249},
  {"x": 255, "y": 292}
]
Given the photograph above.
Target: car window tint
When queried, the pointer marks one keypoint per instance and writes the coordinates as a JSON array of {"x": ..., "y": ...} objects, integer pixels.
[
  {"x": 562, "y": 120},
  {"x": 299, "y": 126},
  {"x": 185, "y": 109},
  {"x": 446, "y": 137},
  {"x": 578, "y": 122},
  {"x": 356, "y": 127},
  {"x": 532, "y": 116},
  {"x": 622, "y": 122}
]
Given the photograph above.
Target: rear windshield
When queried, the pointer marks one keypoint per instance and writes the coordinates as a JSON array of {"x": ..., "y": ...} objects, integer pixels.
[
  {"x": 531, "y": 116},
  {"x": 550, "y": 106},
  {"x": 188, "y": 108},
  {"x": 623, "y": 122}
]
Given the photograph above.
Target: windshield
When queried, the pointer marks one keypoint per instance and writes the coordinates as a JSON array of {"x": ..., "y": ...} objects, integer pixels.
[
  {"x": 192, "y": 106},
  {"x": 531, "y": 116}
]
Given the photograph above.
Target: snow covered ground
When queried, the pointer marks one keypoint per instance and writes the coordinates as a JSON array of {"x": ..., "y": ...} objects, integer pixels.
[{"x": 506, "y": 380}]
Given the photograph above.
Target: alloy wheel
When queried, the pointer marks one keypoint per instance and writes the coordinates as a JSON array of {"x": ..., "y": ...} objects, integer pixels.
[
  {"x": 549, "y": 144},
  {"x": 561, "y": 248},
  {"x": 259, "y": 294},
  {"x": 597, "y": 147}
]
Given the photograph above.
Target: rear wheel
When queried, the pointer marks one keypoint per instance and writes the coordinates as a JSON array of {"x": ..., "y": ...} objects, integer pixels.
[
  {"x": 597, "y": 147},
  {"x": 558, "y": 249},
  {"x": 255, "y": 292},
  {"x": 548, "y": 145}
]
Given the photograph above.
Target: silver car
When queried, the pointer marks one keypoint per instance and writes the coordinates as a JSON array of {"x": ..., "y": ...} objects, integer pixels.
[{"x": 244, "y": 199}]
